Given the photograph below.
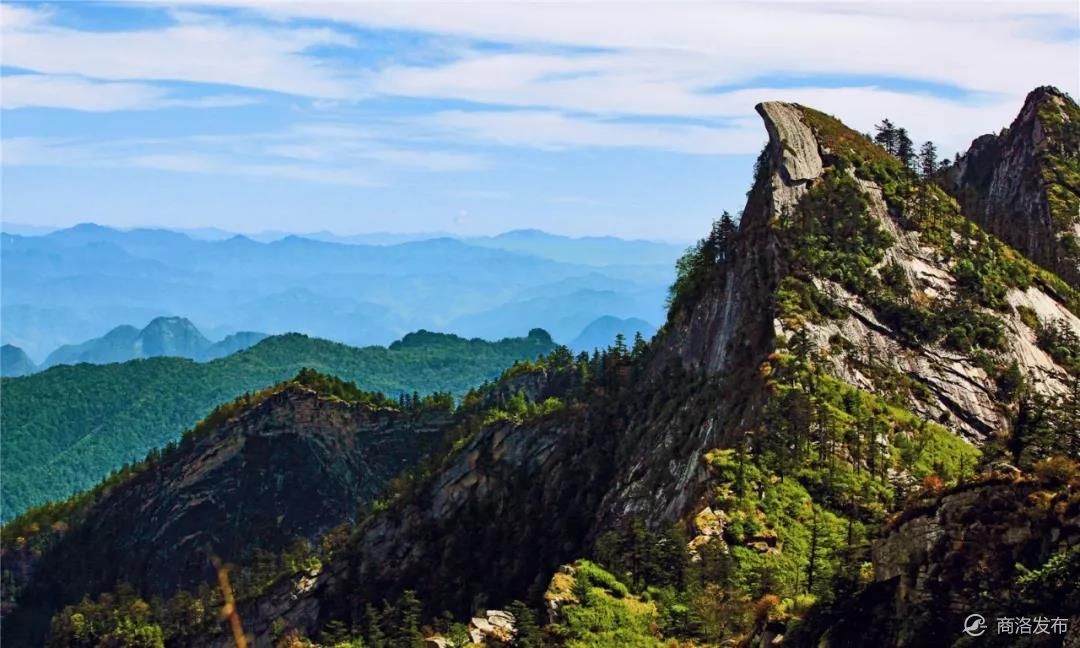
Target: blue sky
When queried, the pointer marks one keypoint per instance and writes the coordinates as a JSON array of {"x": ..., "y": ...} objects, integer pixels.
[{"x": 474, "y": 118}]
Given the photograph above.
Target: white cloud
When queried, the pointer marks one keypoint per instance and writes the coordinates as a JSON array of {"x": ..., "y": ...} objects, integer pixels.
[
  {"x": 199, "y": 49},
  {"x": 663, "y": 61},
  {"x": 555, "y": 131},
  {"x": 76, "y": 93}
]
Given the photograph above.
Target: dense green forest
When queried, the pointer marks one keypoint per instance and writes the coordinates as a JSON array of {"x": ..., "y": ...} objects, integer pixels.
[{"x": 66, "y": 428}]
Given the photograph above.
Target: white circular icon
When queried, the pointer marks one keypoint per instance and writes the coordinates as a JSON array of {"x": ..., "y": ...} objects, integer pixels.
[{"x": 975, "y": 625}]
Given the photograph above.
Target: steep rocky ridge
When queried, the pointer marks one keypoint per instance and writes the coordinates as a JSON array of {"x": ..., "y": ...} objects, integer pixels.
[
  {"x": 1023, "y": 185},
  {"x": 519, "y": 499},
  {"x": 289, "y": 464}
]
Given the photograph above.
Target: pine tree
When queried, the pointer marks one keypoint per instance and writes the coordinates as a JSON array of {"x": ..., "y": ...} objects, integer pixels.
[
  {"x": 334, "y": 632},
  {"x": 728, "y": 233},
  {"x": 526, "y": 630},
  {"x": 905, "y": 149},
  {"x": 927, "y": 159},
  {"x": 640, "y": 346},
  {"x": 886, "y": 136},
  {"x": 374, "y": 637},
  {"x": 620, "y": 346},
  {"x": 407, "y": 632}
]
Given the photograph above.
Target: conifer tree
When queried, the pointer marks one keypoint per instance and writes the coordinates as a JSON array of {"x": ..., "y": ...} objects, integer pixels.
[
  {"x": 927, "y": 159},
  {"x": 886, "y": 136},
  {"x": 374, "y": 637},
  {"x": 905, "y": 149},
  {"x": 526, "y": 629}
]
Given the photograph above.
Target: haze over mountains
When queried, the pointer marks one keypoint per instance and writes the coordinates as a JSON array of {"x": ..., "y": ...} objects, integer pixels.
[{"x": 72, "y": 285}]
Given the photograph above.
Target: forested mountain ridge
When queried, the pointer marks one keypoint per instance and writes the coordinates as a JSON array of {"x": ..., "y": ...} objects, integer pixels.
[
  {"x": 263, "y": 476},
  {"x": 1023, "y": 185},
  {"x": 854, "y": 347},
  {"x": 66, "y": 428}
]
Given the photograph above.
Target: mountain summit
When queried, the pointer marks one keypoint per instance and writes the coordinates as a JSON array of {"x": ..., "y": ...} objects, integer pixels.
[{"x": 1023, "y": 185}]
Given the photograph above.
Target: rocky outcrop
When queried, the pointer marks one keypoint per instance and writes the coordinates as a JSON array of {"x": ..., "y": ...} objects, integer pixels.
[
  {"x": 1022, "y": 185},
  {"x": 956, "y": 555}
]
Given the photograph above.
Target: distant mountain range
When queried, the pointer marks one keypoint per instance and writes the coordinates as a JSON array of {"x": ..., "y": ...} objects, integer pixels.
[
  {"x": 77, "y": 284},
  {"x": 178, "y": 337},
  {"x": 163, "y": 336}
]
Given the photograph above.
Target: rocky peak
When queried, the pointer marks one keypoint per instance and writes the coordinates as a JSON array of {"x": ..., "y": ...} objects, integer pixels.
[
  {"x": 791, "y": 141},
  {"x": 1023, "y": 185}
]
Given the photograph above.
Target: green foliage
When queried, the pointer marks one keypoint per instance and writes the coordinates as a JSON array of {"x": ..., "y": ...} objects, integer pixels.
[
  {"x": 833, "y": 236},
  {"x": 1055, "y": 583},
  {"x": 66, "y": 428},
  {"x": 520, "y": 410},
  {"x": 1063, "y": 345},
  {"x": 527, "y": 633},
  {"x": 122, "y": 620},
  {"x": 701, "y": 262},
  {"x": 603, "y": 614}
]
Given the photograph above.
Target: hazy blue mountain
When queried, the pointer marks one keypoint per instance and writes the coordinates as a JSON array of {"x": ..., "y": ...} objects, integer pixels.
[
  {"x": 586, "y": 250},
  {"x": 163, "y": 336},
  {"x": 71, "y": 285},
  {"x": 25, "y": 229},
  {"x": 117, "y": 345},
  {"x": 15, "y": 362},
  {"x": 564, "y": 316},
  {"x": 231, "y": 344},
  {"x": 601, "y": 332}
]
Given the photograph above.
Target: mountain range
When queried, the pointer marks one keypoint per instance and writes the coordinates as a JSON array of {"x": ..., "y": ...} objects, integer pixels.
[
  {"x": 65, "y": 428},
  {"x": 71, "y": 285},
  {"x": 163, "y": 336},
  {"x": 857, "y": 425}
]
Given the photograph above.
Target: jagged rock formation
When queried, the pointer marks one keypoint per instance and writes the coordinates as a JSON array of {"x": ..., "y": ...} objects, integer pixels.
[
  {"x": 291, "y": 464},
  {"x": 1023, "y": 185}
]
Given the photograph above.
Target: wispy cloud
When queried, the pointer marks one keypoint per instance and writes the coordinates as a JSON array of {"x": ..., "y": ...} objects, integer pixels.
[
  {"x": 672, "y": 77},
  {"x": 77, "y": 93},
  {"x": 199, "y": 48},
  {"x": 556, "y": 131}
]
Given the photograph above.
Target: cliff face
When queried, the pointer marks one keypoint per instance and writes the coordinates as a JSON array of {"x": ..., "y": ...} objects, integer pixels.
[
  {"x": 1024, "y": 184},
  {"x": 291, "y": 466}
]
